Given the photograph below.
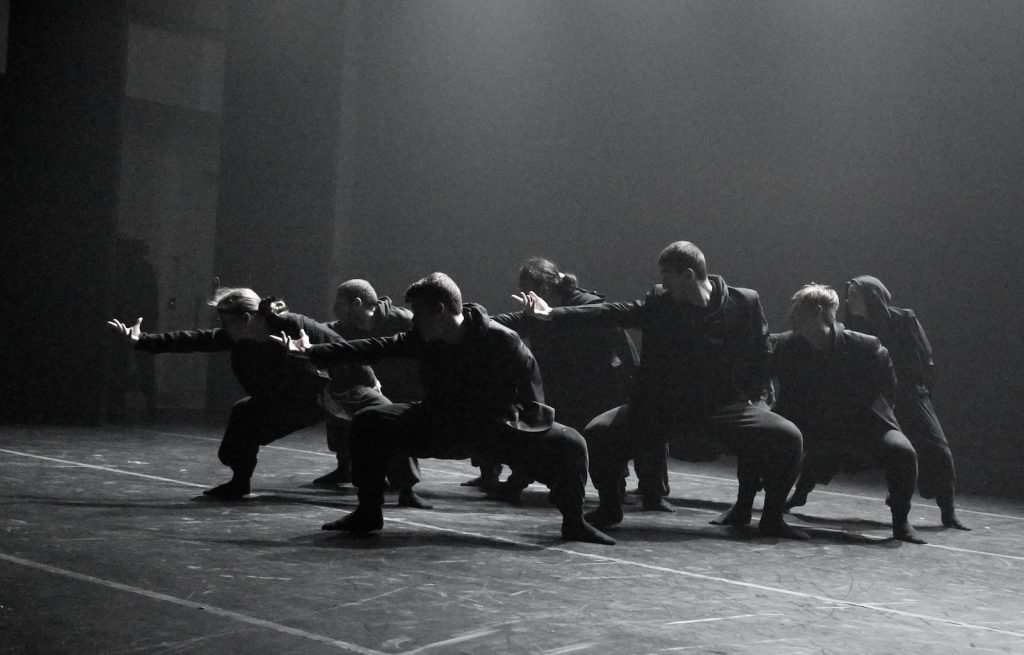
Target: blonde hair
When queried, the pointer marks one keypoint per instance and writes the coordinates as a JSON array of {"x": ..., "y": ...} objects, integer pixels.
[
  {"x": 228, "y": 300},
  {"x": 815, "y": 295}
]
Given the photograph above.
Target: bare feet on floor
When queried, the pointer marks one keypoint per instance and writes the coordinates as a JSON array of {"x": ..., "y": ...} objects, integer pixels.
[
  {"x": 361, "y": 521},
  {"x": 579, "y": 530}
]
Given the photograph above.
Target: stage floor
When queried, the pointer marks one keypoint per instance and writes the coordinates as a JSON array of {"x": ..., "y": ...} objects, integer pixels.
[{"x": 107, "y": 546}]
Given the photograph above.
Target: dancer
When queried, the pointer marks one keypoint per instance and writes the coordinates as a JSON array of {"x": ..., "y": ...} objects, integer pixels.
[
  {"x": 703, "y": 366},
  {"x": 283, "y": 393},
  {"x": 483, "y": 396},
  {"x": 362, "y": 314},
  {"x": 837, "y": 386},
  {"x": 868, "y": 308},
  {"x": 584, "y": 373}
]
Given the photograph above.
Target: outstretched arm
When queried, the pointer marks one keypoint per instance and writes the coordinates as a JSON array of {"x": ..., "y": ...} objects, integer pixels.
[
  {"x": 605, "y": 314},
  {"x": 182, "y": 341}
]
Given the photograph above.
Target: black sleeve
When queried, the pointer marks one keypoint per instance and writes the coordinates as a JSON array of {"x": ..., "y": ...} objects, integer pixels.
[
  {"x": 185, "y": 341},
  {"x": 316, "y": 331},
  {"x": 516, "y": 321},
  {"x": 605, "y": 314},
  {"x": 924, "y": 352},
  {"x": 366, "y": 351},
  {"x": 884, "y": 373},
  {"x": 525, "y": 372},
  {"x": 757, "y": 358}
]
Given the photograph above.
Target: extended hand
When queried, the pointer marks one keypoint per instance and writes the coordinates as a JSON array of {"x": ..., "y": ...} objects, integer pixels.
[
  {"x": 533, "y": 304},
  {"x": 130, "y": 331},
  {"x": 294, "y": 345}
]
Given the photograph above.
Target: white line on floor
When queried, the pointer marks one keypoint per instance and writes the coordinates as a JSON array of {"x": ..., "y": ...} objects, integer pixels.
[
  {"x": 99, "y": 468},
  {"x": 244, "y": 618},
  {"x": 476, "y": 634},
  {"x": 722, "y": 618},
  {"x": 193, "y": 484},
  {"x": 563, "y": 549},
  {"x": 739, "y": 583},
  {"x": 671, "y": 473}
]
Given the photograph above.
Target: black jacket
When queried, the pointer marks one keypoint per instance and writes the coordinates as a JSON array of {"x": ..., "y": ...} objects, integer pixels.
[
  {"x": 899, "y": 331},
  {"x": 587, "y": 368},
  {"x": 693, "y": 358},
  {"x": 262, "y": 367},
  {"x": 485, "y": 376},
  {"x": 398, "y": 378},
  {"x": 853, "y": 381}
]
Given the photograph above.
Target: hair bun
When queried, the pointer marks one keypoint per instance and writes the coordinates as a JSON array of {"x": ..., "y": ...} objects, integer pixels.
[{"x": 271, "y": 305}]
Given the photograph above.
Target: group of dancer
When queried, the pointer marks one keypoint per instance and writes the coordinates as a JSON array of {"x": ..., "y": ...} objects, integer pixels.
[{"x": 794, "y": 407}]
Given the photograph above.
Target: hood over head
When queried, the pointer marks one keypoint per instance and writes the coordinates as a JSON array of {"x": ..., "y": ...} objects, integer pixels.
[{"x": 876, "y": 296}]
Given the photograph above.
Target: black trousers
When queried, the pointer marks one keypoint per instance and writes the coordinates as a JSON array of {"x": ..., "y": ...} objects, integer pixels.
[
  {"x": 885, "y": 447},
  {"x": 556, "y": 457},
  {"x": 936, "y": 472},
  {"x": 767, "y": 446},
  {"x": 403, "y": 472},
  {"x": 651, "y": 467},
  {"x": 256, "y": 422}
]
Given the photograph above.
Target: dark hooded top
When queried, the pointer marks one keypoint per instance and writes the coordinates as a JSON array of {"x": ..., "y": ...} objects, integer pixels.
[
  {"x": 899, "y": 331},
  {"x": 399, "y": 379},
  {"x": 693, "y": 358},
  {"x": 587, "y": 369},
  {"x": 848, "y": 384},
  {"x": 482, "y": 377},
  {"x": 262, "y": 367}
]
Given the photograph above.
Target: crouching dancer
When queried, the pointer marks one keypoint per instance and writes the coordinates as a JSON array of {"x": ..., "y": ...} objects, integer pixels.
[
  {"x": 284, "y": 394},
  {"x": 837, "y": 386},
  {"x": 703, "y": 366},
  {"x": 482, "y": 397}
]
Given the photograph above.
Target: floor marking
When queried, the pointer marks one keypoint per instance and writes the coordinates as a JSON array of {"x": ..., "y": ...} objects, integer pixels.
[
  {"x": 100, "y": 468},
  {"x": 575, "y": 648},
  {"x": 366, "y": 600},
  {"x": 469, "y": 636},
  {"x": 722, "y": 618},
  {"x": 739, "y": 583},
  {"x": 846, "y": 495},
  {"x": 591, "y": 556},
  {"x": 244, "y": 618},
  {"x": 316, "y": 453},
  {"x": 700, "y": 510},
  {"x": 674, "y": 473},
  {"x": 975, "y": 552}
]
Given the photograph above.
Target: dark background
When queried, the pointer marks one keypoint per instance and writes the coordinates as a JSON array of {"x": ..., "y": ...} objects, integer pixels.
[{"x": 792, "y": 141}]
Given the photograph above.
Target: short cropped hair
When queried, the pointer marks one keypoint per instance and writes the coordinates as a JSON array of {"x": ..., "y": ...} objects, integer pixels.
[
  {"x": 349, "y": 290},
  {"x": 436, "y": 288},
  {"x": 681, "y": 255},
  {"x": 811, "y": 296}
]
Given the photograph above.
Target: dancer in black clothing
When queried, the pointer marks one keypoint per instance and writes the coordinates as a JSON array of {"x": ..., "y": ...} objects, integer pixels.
[
  {"x": 283, "y": 392},
  {"x": 584, "y": 373},
  {"x": 704, "y": 366},
  {"x": 353, "y": 387},
  {"x": 837, "y": 386},
  {"x": 868, "y": 308},
  {"x": 483, "y": 396}
]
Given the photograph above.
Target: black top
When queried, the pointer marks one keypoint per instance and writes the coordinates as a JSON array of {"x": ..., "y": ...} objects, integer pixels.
[
  {"x": 483, "y": 376},
  {"x": 262, "y": 367},
  {"x": 850, "y": 382},
  {"x": 397, "y": 379},
  {"x": 693, "y": 358},
  {"x": 899, "y": 330},
  {"x": 584, "y": 371}
]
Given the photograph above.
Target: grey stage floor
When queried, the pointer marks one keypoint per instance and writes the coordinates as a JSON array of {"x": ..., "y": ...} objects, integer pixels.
[{"x": 107, "y": 547}]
